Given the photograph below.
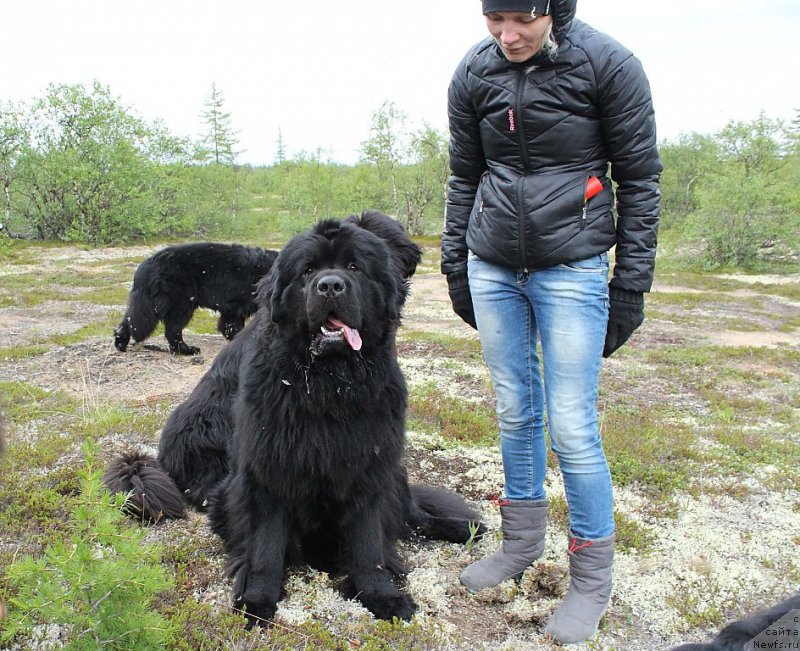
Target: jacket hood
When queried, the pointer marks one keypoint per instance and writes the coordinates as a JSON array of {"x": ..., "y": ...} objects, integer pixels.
[{"x": 563, "y": 12}]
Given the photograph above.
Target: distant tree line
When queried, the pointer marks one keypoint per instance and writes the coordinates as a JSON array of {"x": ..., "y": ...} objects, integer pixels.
[{"x": 76, "y": 165}]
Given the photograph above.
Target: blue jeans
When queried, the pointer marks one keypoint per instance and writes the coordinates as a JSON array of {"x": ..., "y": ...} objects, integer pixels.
[{"x": 566, "y": 307}]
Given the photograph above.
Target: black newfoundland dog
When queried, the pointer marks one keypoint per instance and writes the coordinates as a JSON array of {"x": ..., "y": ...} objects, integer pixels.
[
  {"x": 172, "y": 283},
  {"x": 295, "y": 435},
  {"x": 735, "y": 636}
]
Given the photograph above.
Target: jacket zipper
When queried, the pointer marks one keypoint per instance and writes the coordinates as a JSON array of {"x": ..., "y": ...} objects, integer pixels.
[
  {"x": 523, "y": 150},
  {"x": 583, "y": 215}
]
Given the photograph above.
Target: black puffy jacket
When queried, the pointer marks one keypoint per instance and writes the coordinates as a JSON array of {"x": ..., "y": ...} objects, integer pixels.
[{"x": 524, "y": 140}]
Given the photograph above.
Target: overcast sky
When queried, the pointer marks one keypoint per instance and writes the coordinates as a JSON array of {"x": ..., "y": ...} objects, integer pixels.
[{"x": 318, "y": 72}]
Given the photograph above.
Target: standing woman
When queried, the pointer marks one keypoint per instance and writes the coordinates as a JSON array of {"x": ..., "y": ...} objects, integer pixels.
[{"x": 541, "y": 113}]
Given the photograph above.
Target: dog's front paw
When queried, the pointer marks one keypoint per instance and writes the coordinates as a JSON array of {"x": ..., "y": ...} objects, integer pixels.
[
  {"x": 256, "y": 613},
  {"x": 388, "y": 606},
  {"x": 121, "y": 341}
]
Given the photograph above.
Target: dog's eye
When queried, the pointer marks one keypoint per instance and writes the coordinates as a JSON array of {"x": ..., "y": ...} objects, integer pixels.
[
  {"x": 309, "y": 270},
  {"x": 353, "y": 267}
]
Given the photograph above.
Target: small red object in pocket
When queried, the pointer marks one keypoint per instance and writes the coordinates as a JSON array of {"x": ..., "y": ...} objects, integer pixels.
[{"x": 593, "y": 187}]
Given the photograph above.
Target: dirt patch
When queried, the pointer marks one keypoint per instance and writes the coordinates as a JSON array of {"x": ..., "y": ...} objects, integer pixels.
[
  {"x": 95, "y": 371},
  {"x": 764, "y": 279},
  {"x": 758, "y": 314},
  {"x": 24, "y": 326}
]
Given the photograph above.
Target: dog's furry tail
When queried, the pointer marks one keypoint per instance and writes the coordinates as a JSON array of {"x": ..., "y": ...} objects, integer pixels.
[
  {"x": 153, "y": 495},
  {"x": 443, "y": 515}
]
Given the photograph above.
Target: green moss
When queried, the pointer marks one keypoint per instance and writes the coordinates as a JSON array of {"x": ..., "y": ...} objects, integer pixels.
[
  {"x": 631, "y": 536},
  {"x": 22, "y": 352},
  {"x": 439, "y": 344},
  {"x": 25, "y": 402},
  {"x": 456, "y": 420},
  {"x": 696, "y": 603},
  {"x": 204, "y": 322},
  {"x": 646, "y": 450}
]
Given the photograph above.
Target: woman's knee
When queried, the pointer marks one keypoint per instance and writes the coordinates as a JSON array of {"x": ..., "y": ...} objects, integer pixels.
[{"x": 578, "y": 450}]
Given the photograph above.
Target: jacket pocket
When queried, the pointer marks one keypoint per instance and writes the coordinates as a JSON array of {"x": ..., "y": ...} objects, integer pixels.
[
  {"x": 556, "y": 202},
  {"x": 592, "y": 187},
  {"x": 598, "y": 205},
  {"x": 477, "y": 207}
]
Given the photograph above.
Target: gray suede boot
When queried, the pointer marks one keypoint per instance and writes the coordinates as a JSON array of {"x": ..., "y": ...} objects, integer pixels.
[
  {"x": 523, "y": 523},
  {"x": 589, "y": 590}
]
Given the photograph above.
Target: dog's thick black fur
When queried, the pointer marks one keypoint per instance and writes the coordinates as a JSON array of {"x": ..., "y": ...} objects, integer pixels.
[
  {"x": 172, "y": 283},
  {"x": 295, "y": 434},
  {"x": 734, "y": 636}
]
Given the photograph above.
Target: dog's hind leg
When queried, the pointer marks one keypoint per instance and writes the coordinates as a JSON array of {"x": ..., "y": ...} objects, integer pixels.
[{"x": 442, "y": 515}]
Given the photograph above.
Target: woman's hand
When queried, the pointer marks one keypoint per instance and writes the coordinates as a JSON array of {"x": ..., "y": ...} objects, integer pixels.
[
  {"x": 460, "y": 297},
  {"x": 625, "y": 315}
]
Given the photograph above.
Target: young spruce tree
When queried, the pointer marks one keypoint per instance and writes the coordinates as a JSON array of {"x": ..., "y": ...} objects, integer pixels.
[{"x": 218, "y": 143}]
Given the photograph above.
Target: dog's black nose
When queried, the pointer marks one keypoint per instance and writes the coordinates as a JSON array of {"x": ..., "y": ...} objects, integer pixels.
[{"x": 330, "y": 285}]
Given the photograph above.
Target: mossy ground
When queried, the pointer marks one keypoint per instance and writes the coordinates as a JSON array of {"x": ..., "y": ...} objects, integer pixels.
[{"x": 702, "y": 438}]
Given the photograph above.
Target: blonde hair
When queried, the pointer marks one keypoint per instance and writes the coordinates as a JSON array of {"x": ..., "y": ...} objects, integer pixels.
[{"x": 550, "y": 45}]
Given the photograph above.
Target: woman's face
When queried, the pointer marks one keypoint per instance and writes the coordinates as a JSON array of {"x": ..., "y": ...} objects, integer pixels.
[{"x": 519, "y": 35}]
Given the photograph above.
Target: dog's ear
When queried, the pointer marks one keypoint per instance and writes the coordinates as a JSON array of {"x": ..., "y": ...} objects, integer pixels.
[
  {"x": 268, "y": 294},
  {"x": 406, "y": 254},
  {"x": 275, "y": 289}
]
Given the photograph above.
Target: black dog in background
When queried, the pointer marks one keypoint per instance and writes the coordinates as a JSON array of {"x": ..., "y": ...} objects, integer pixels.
[
  {"x": 734, "y": 636},
  {"x": 172, "y": 283},
  {"x": 296, "y": 433}
]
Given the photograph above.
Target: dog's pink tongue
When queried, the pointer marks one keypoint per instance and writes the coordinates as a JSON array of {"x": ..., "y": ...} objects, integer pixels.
[{"x": 351, "y": 335}]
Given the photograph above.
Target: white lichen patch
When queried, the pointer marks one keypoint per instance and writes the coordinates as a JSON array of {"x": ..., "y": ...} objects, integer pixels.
[
  {"x": 312, "y": 595},
  {"x": 716, "y": 551}
]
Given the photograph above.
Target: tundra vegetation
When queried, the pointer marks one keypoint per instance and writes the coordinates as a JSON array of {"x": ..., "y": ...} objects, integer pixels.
[{"x": 699, "y": 411}]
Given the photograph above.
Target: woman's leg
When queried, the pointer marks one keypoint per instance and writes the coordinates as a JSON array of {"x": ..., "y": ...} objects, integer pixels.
[
  {"x": 508, "y": 334},
  {"x": 571, "y": 306}
]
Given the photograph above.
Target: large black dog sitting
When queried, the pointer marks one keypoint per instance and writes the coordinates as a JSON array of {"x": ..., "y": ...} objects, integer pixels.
[
  {"x": 172, "y": 283},
  {"x": 295, "y": 435}
]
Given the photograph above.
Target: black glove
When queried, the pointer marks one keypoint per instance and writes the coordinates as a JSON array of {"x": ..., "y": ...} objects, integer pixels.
[
  {"x": 624, "y": 316},
  {"x": 458, "y": 288}
]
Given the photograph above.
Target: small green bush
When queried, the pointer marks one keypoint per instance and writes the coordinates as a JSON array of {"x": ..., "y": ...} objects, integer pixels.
[{"x": 96, "y": 589}]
